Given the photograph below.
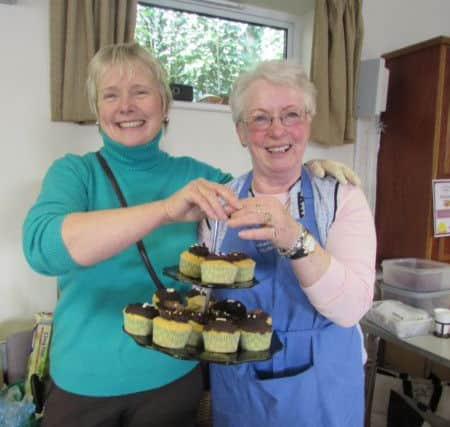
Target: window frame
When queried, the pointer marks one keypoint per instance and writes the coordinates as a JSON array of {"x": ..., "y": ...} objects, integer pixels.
[{"x": 240, "y": 12}]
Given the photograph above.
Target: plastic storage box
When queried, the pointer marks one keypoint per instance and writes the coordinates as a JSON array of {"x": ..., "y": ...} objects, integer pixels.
[
  {"x": 414, "y": 274},
  {"x": 424, "y": 300}
]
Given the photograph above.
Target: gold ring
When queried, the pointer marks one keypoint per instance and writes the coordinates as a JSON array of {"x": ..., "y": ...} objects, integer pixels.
[{"x": 267, "y": 218}]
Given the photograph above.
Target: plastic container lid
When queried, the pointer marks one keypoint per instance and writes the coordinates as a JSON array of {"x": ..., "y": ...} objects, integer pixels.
[
  {"x": 414, "y": 294},
  {"x": 418, "y": 265},
  {"x": 415, "y": 274}
]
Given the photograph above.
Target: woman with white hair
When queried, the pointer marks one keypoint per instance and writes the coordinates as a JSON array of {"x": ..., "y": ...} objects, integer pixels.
[{"x": 314, "y": 244}]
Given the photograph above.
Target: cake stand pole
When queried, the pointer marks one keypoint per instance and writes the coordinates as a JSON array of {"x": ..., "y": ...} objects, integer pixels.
[{"x": 214, "y": 233}]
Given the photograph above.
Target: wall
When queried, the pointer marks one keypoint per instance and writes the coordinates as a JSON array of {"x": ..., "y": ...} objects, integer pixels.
[
  {"x": 31, "y": 141},
  {"x": 388, "y": 26}
]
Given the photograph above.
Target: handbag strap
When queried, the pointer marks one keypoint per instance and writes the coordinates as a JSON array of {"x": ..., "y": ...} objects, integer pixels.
[{"x": 123, "y": 203}]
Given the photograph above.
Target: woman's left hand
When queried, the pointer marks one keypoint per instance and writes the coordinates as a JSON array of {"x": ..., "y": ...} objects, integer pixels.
[{"x": 268, "y": 219}]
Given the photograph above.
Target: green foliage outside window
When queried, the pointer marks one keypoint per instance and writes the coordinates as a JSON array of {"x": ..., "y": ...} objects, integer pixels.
[{"x": 205, "y": 52}]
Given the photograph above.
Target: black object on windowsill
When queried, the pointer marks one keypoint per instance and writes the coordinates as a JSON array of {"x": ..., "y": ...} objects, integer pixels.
[{"x": 182, "y": 92}]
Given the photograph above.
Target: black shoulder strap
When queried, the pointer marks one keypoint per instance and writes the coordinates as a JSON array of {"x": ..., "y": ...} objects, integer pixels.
[{"x": 123, "y": 203}]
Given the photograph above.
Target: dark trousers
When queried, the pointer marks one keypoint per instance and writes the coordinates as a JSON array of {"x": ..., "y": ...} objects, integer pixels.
[{"x": 174, "y": 405}]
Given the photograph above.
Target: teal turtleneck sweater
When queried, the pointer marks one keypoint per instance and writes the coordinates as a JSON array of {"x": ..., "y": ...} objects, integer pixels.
[{"x": 90, "y": 354}]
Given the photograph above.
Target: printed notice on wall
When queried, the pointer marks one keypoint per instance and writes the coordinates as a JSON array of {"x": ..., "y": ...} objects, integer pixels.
[{"x": 441, "y": 207}]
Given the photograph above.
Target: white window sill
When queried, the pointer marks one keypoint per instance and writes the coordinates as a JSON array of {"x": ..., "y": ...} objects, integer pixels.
[{"x": 203, "y": 106}]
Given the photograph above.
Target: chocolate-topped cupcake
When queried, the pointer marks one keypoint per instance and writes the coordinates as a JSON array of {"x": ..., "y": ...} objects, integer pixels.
[
  {"x": 171, "y": 328},
  {"x": 197, "y": 320},
  {"x": 199, "y": 249},
  {"x": 175, "y": 315},
  {"x": 221, "y": 336},
  {"x": 256, "y": 331},
  {"x": 138, "y": 318},
  {"x": 191, "y": 259},
  {"x": 229, "y": 309},
  {"x": 218, "y": 269},
  {"x": 167, "y": 298},
  {"x": 196, "y": 299},
  {"x": 245, "y": 265},
  {"x": 258, "y": 314}
]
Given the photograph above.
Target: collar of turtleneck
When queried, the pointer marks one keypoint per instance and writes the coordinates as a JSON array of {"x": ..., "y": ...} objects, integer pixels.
[{"x": 141, "y": 157}]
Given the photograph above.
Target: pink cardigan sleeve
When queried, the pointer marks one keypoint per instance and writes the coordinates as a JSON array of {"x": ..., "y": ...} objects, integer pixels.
[{"x": 345, "y": 292}]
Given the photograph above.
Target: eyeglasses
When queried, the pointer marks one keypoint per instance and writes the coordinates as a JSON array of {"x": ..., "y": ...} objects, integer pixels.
[{"x": 263, "y": 121}]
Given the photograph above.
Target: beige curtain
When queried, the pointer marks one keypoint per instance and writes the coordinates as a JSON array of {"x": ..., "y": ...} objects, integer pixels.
[
  {"x": 78, "y": 28},
  {"x": 336, "y": 53}
]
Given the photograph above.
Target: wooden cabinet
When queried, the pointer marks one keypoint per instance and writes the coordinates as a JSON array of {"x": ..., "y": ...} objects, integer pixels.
[{"x": 414, "y": 149}]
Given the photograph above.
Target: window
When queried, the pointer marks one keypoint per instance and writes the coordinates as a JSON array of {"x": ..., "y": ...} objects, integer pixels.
[{"x": 206, "y": 44}]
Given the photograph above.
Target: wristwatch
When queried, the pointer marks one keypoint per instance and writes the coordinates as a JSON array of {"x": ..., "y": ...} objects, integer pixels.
[{"x": 303, "y": 246}]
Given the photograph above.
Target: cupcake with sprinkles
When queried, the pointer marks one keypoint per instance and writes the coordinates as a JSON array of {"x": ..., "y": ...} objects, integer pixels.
[
  {"x": 171, "y": 329},
  {"x": 197, "y": 320},
  {"x": 229, "y": 309},
  {"x": 256, "y": 331}
]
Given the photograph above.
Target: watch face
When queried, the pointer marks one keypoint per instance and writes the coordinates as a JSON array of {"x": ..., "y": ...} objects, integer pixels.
[{"x": 309, "y": 244}]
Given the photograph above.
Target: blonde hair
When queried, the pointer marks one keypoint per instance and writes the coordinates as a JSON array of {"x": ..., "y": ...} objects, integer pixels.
[
  {"x": 127, "y": 56},
  {"x": 277, "y": 72}
]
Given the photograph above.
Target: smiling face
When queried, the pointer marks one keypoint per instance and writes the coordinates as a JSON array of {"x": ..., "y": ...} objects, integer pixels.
[
  {"x": 277, "y": 151},
  {"x": 130, "y": 109}
]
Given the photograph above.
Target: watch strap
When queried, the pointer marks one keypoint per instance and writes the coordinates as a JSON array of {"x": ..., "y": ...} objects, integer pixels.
[{"x": 298, "y": 249}]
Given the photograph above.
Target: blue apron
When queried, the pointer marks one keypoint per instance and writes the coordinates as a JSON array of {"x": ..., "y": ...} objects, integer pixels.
[{"x": 316, "y": 380}]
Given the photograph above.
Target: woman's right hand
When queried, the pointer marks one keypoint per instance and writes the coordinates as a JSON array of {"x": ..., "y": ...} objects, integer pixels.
[
  {"x": 89, "y": 239},
  {"x": 201, "y": 198}
]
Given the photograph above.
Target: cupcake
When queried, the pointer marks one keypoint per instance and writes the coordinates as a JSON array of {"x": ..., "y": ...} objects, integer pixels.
[
  {"x": 197, "y": 320},
  {"x": 196, "y": 299},
  {"x": 138, "y": 318},
  {"x": 191, "y": 259},
  {"x": 256, "y": 331},
  {"x": 245, "y": 265},
  {"x": 228, "y": 309},
  {"x": 217, "y": 269},
  {"x": 171, "y": 329},
  {"x": 167, "y": 298},
  {"x": 221, "y": 336}
]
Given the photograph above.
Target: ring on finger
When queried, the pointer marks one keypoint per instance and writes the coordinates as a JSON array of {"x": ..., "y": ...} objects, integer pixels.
[{"x": 267, "y": 218}]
